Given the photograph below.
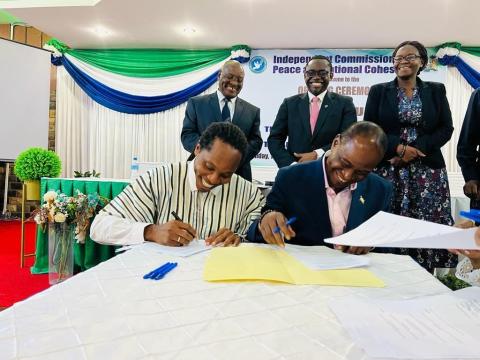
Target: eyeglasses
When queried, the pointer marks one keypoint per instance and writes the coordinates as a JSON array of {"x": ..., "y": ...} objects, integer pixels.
[
  {"x": 321, "y": 73},
  {"x": 408, "y": 58}
]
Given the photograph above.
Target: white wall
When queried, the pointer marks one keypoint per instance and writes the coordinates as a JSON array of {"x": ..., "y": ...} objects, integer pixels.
[{"x": 24, "y": 98}]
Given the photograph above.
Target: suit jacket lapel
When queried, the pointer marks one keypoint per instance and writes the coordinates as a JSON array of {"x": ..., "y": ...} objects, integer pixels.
[
  {"x": 426, "y": 96},
  {"x": 304, "y": 112},
  {"x": 392, "y": 96},
  {"x": 327, "y": 104},
  {"x": 358, "y": 206},
  {"x": 237, "y": 114},
  {"x": 215, "y": 107}
]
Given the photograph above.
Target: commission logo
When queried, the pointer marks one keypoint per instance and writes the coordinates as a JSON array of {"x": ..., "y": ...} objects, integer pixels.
[{"x": 257, "y": 64}]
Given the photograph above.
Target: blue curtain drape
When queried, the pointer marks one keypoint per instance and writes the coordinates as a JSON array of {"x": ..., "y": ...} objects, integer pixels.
[{"x": 132, "y": 104}]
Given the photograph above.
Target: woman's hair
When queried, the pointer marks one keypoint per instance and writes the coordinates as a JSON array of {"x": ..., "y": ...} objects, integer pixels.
[{"x": 422, "y": 51}]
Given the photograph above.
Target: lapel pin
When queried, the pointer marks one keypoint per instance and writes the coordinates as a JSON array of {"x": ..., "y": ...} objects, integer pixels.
[
  {"x": 362, "y": 200},
  {"x": 326, "y": 106}
]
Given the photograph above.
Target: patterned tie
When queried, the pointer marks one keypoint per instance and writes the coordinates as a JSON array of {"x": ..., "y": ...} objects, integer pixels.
[
  {"x": 226, "y": 110},
  {"x": 314, "y": 110}
]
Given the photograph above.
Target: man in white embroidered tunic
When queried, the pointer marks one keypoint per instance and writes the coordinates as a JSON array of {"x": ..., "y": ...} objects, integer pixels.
[{"x": 212, "y": 202}]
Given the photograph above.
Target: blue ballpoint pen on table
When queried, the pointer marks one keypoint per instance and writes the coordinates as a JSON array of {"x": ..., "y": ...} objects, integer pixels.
[
  {"x": 160, "y": 272},
  {"x": 153, "y": 273},
  {"x": 289, "y": 221},
  {"x": 165, "y": 271}
]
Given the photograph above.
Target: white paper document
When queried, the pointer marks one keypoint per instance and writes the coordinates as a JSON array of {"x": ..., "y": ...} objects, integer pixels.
[
  {"x": 195, "y": 247},
  {"x": 324, "y": 258},
  {"x": 433, "y": 327},
  {"x": 388, "y": 230},
  {"x": 321, "y": 257}
]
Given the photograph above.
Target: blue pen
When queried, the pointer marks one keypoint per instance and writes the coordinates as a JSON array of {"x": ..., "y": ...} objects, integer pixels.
[
  {"x": 153, "y": 273},
  {"x": 289, "y": 221},
  {"x": 165, "y": 271}
]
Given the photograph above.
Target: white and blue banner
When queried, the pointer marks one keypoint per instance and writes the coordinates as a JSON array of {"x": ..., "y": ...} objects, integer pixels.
[{"x": 272, "y": 75}]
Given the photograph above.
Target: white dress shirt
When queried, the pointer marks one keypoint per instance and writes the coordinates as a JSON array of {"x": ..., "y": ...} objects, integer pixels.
[{"x": 231, "y": 104}]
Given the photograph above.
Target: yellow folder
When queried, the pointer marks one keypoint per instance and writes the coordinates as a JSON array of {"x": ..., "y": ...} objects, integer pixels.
[{"x": 256, "y": 263}]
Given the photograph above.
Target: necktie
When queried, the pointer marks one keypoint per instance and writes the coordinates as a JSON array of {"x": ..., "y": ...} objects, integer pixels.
[
  {"x": 314, "y": 110},
  {"x": 226, "y": 111}
]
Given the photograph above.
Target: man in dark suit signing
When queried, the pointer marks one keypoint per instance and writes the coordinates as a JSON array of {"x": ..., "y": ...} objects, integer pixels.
[
  {"x": 224, "y": 105},
  {"x": 329, "y": 196},
  {"x": 311, "y": 120}
]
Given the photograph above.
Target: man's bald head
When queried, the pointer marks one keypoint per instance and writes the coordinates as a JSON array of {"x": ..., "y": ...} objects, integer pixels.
[{"x": 230, "y": 79}]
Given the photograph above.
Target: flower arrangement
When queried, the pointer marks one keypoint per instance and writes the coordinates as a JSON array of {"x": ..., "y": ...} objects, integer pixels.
[
  {"x": 77, "y": 209},
  {"x": 66, "y": 217},
  {"x": 35, "y": 163}
]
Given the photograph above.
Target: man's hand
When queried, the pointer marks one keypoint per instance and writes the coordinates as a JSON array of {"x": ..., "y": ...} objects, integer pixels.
[
  {"x": 223, "y": 237},
  {"x": 303, "y": 157},
  {"x": 269, "y": 222},
  {"x": 172, "y": 233},
  {"x": 355, "y": 250},
  {"x": 472, "y": 189},
  {"x": 473, "y": 255},
  {"x": 464, "y": 224}
]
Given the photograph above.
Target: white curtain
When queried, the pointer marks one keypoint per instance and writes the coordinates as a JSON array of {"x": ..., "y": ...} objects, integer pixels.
[
  {"x": 90, "y": 136},
  {"x": 458, "y": 94}
]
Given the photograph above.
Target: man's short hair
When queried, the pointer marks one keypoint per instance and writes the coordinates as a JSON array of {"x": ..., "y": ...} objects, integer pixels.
[
  {"x": 369, "y": 130},
  {"x": 321, "y": 57},
  {"x": 226, "y": 132}
]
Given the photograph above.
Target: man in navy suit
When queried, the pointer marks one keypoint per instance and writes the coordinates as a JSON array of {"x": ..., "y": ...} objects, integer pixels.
[
  {"x": 224, "y": 105},
  {"x": 311, "y": 120},
  {"x": 328, "y": 196},
  {"x": 467, "y": 150}
]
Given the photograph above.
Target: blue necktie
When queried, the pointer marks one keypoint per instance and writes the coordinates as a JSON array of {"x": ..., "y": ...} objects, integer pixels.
[{"x": 226, "y": 111}]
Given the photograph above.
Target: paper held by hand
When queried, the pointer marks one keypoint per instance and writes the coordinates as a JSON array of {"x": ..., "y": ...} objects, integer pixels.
[{"x": 395, "y": 231}]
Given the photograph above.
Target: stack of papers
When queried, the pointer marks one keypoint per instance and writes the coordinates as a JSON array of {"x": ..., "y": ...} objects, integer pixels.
[
  {"x": 258, "y": 263},
  {"x": 434, "y": 327},
  {"x": 324, "y": 258},
  {"x": 388, "y": 230}
]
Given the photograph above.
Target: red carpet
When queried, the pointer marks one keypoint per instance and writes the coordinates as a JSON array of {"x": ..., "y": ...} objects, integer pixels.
[{"x": 15, "y": 283}]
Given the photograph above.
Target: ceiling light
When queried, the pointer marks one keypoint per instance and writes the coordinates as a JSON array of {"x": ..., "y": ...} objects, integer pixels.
[
  {"x": 101, "y": 31},
  {"x": 188, "y": 30}
]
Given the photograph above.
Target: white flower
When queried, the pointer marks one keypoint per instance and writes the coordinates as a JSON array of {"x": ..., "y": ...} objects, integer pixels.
[
  {"x": 38, "y": 219},
  {"x": 60, "y": 218},
  {"x": 50, "y": 196}
]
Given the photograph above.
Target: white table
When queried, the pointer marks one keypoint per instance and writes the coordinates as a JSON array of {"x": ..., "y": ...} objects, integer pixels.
[{"x": 110, "y": 312}]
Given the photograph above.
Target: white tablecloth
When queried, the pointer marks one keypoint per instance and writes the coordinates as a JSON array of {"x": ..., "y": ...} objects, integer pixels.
[{"x": 111, "y": 312}]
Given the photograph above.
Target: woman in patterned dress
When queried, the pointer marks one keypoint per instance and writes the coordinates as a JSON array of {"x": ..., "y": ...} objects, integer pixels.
[{"x": 416, "y": 117}]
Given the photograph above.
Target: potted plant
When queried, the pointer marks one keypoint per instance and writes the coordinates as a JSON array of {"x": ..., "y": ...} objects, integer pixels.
[{"x": 33, "y": 164}]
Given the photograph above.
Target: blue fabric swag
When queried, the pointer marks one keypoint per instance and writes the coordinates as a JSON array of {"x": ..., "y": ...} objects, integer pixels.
[
  {"x": 470, "y": 74},
  {"x": 132, "y": 104}
]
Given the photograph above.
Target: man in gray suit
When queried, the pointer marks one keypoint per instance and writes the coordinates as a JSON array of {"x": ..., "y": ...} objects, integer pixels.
[
  {"x": 312, "y": 120},
  {"x": 224, "y": 105}
]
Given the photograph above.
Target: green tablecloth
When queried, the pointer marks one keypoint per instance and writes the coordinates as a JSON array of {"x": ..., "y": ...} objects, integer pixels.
[{"x": 85, "y": 255}]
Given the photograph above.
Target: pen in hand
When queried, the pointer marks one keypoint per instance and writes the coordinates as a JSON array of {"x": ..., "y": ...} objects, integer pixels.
[
  {"x": 276, "y": 230},
  {"x": 175, "y": 215},
  {"x": 178, "y": 218}
]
